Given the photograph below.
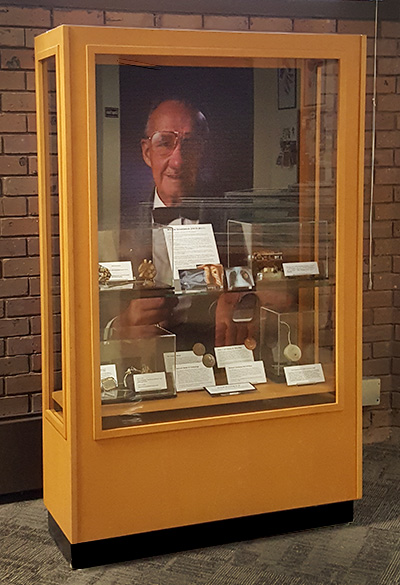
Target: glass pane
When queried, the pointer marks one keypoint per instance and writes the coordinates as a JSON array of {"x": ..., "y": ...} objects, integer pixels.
[
  {"x": 216, "y": 211},
  {"x": 56, "y": 393}
]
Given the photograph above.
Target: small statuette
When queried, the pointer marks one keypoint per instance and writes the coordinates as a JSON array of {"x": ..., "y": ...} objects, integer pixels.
[
  {"x": 104, "y": 274},
  {"x": 145, "y": 370},
  {"x": 108, "y": 384},
  {"x": 199, "y": 349},
  {"x": 208, "y": 360},
  {"x": 250, "y": 343},
  {"x": 147, "y": 272},
  {"x": 292, "y": 352}
]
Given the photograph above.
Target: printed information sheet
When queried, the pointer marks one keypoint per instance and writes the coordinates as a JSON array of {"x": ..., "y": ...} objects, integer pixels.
[
  {"x": 308, "y": 374},
  {"x": 191, "y": 245},
  {"x": 182, "y": 357},
  {"x": 252, "y": 372},
  {"x": 193, "y": 377},
  {"x": 150, "y": 382},
  {"x": 229, "y": 389},
  {"x": 119, "y": 270},
  {"x": 300, "y": 268},
  {"x": 233, "y": 354}
]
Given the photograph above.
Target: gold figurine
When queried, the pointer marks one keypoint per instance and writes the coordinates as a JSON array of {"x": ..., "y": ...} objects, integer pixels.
[{"x": 147, "y": 272}]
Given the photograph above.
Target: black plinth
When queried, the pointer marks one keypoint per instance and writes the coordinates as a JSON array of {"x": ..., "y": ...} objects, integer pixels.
[{"x": 135, "y": 546}]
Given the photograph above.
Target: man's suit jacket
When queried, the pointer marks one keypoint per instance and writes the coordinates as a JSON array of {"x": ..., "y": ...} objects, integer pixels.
[{"x": 136, "y": 244}]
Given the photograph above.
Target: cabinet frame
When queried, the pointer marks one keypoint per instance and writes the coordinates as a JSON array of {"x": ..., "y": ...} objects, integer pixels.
[{"x": 77, "y": 451}]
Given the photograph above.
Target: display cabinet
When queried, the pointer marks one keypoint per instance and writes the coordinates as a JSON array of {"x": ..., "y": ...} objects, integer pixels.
[{"x": 200, "y": 238}]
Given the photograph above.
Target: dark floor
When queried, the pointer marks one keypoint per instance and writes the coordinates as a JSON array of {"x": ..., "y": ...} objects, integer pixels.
[{"x": 366, "y": 552}]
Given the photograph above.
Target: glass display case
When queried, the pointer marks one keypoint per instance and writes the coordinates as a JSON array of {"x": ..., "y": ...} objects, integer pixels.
[{"x": 199, "y": 300}]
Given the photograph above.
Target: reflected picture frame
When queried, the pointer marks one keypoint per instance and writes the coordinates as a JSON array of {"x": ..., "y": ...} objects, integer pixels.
[{"x": 287, "y": 88}]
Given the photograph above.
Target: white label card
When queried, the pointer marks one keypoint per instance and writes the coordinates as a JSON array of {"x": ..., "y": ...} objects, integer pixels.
[
  {"x": 182, "y": 357},
  {"x": 119, "y": 270},
  {"x": 300, "y": 268},
  {"x": 191, "y": 245},
  {"x": 230, "y": 389},
  {"x": 233, "y": 354},
  {"x": 150, "y": 382},
  {"x": 309, "y": 374},
  {"x": 252, "y": 372},
  {"x": 193, "y": 377},
  {"x": 108, "y": 371}
]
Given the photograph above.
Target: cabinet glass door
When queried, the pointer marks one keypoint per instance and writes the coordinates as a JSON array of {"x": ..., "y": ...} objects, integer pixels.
[{"x": 217, "y": 186}]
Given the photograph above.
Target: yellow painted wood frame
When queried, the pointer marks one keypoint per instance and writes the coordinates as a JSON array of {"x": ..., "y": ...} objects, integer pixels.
[{"x": 101, "y": 484}]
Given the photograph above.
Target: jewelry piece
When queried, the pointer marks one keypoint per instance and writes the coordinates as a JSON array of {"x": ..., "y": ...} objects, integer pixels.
[
  {"x": 269, "y": 273},
  {"x": 128, "y": 377},
  {"x": 147, "y": 272},
  {"x": 250, "y": 343},
  {"x": 108, "y": 384},
  {"x": 208, "y": 360},
  {"x": 264, "y": 256},
  {"x": 267, "y": 265},
  {"x": 129, "y": 372},
  {"x": 104, "y": 274},
  {"x": 199, "y": 349},
  {"x": 292, "y": 352}
]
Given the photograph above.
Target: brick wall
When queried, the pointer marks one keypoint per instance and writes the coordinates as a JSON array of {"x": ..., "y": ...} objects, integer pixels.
[{"x": 19, "y": 266}]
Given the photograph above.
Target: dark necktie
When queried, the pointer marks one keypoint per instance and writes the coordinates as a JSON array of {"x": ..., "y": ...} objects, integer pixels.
[{"x": 165, "y": 215}]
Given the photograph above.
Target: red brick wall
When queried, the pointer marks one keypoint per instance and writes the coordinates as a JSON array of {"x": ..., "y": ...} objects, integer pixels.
[{"x": 19, "y": 267}]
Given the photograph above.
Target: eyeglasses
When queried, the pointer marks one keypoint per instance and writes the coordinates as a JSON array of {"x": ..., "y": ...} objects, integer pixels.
[{"x": 165, "y": 142}]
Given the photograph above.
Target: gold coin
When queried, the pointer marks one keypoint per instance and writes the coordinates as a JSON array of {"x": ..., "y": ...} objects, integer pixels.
[
  {"x": 199, "y": 349},
  {"x": 250, "y": 343},
  {"x": 208, "y": 360}
]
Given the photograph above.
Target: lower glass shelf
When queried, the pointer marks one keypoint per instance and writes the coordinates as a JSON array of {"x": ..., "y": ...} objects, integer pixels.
[
  {"x": 199, "y": 404},
  {"x": 188, "y": 405}
]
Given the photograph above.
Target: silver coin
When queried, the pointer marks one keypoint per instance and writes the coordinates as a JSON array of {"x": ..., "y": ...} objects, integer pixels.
[
  {"x": 199, "y": 349},
  {"x": 208, "y": 360}
]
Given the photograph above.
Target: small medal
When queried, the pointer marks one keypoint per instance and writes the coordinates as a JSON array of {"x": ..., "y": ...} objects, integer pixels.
[
  {"x": 199, "y": 349},
  {"x": 208, "y": 360}
]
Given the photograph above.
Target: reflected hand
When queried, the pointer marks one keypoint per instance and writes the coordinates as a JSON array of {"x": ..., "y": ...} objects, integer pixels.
[
  {"x": 231, "y": 307},
  {"x": 134, "y": 322},
  {"x": 227, "y": 330}
]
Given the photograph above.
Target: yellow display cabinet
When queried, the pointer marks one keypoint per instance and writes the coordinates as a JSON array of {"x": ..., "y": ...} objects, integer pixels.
[{"x": 200, "y": 239}]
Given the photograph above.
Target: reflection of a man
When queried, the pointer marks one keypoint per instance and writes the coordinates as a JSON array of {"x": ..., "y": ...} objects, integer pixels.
[{"x": 173, "y": 146}]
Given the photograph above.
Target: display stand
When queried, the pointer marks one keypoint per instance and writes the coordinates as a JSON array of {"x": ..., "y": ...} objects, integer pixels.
[{"x": 201, "y": 371}]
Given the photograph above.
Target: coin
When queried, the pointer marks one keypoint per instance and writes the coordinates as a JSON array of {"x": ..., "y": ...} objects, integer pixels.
[
  {"x": 208, "y": 360},
  {"x": 250, "y": 343},
  {"x": 199, "y": 349}
]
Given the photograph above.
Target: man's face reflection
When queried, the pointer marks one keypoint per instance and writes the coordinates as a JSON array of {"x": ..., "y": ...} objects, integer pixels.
[{"x": 175, "y": 164}]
